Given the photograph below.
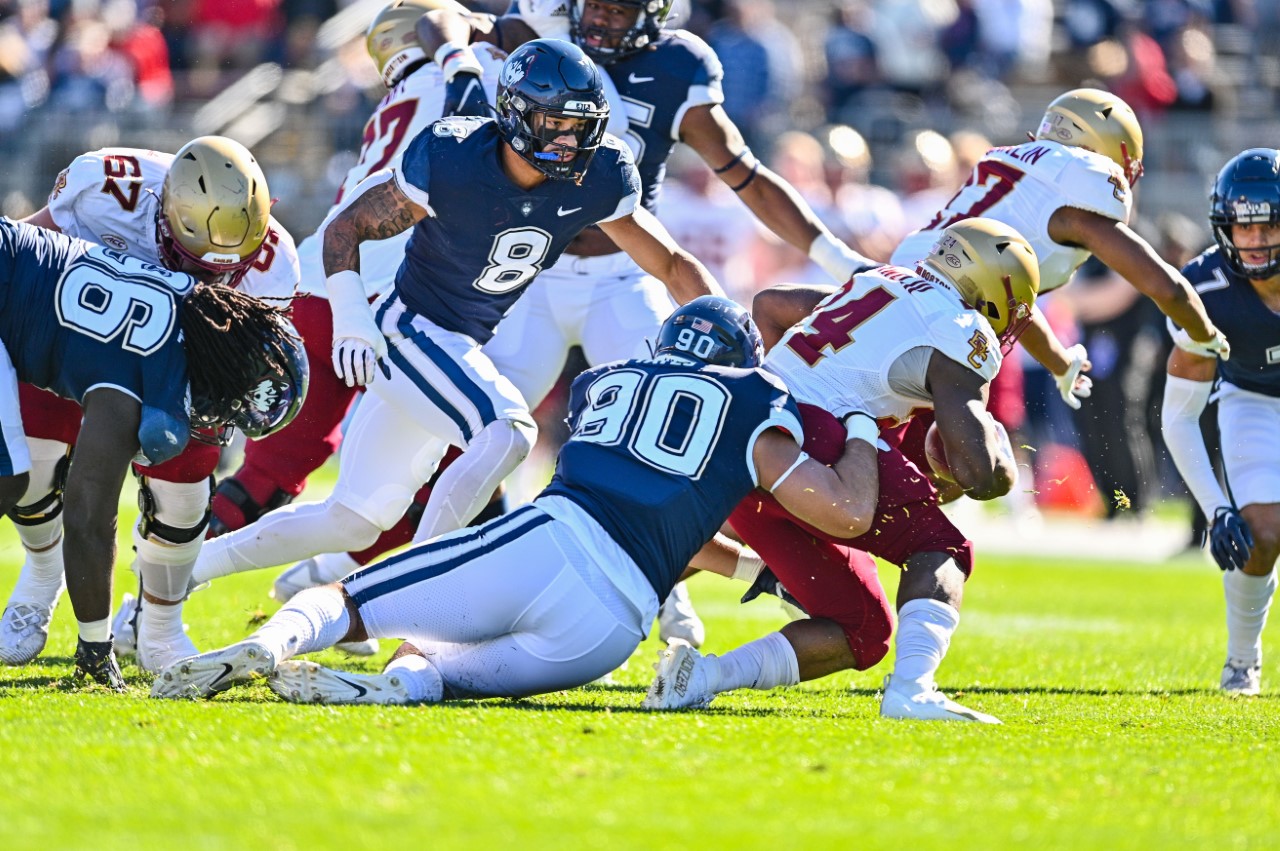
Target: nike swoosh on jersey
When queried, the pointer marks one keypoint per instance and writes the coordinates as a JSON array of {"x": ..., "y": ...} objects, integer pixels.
[
  {"x": 634, "y": 79},
  {"x": 561, "y": 211}
]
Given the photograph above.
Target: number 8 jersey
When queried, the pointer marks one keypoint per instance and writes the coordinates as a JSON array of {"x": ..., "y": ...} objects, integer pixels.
[
  {"x": 867, "y": 346},
  {"x": 1023, "y": 186}
]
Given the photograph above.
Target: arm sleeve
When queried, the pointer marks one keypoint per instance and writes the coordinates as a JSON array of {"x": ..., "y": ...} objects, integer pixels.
[{"x": 1184, "y": 401}]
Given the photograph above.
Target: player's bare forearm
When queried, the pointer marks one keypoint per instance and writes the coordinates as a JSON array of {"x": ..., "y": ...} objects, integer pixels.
[
  {"x": 838, "y": 503},
  {"x": 777, "y": 308},
  {"x": 42, "y": 218},
  {"x": 648, "y": 243},
  {"x": 779, "y": 207},
  {"x": 719, "y": 556},
  {"x": 380, "y": 211},
  {"x": 1043, "y": 345},
  {"x": 975, "y": 450}
]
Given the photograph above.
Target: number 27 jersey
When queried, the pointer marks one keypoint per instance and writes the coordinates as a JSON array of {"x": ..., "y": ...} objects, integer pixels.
[{"x": 844, "y": 356}]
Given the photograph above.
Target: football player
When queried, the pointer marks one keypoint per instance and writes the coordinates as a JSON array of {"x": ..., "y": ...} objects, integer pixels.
[
  {"x": 150, "y": 355},
  {"x": 206, "y": 211},
  {"x": 491, "y": 203},
  {"x": 1069, "y": 191},
  {"x": 596, "y": 296},
  {"x": 927, "y": 338},
  {"x": 1239, "y": 280},
  {"x": 561, "y": 591}
]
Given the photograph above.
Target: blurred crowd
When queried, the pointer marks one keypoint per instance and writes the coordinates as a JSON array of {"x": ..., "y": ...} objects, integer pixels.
[{"x": 874, "y": 110}]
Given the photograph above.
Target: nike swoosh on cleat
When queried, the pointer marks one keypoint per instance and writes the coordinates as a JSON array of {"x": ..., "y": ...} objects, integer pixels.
[
  {"x": 361, "y": 691},
  {"x": 561, "y": 211},
  {"x": 226, "y": 672},
  {"x": 634, "y": 79}
]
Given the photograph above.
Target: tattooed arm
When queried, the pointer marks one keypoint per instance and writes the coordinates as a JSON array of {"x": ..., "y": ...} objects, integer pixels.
[{"x": 377, "y": 210}]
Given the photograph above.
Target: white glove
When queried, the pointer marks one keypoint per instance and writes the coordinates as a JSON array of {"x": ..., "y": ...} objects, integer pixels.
[
  {"x": 1073, "y": 384},
  {"x": 1215, "y": 347},
  {"x": 358, "y": 345}
]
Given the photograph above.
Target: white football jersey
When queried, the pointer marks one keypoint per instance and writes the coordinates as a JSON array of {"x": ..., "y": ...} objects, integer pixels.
[
  {"x": 409, "y": 108},
  {"x": 1023, "y": 186},
  {"x": 867, "y": 346},
  {"x": 112, "y": 197}
]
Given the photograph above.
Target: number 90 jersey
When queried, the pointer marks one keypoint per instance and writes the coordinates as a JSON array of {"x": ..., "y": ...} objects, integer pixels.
[
  {"x": 76, "y": 316},
  {"x": 112, "y": 197},
  {"x": 867, "y": 346},
  {"x": 661, "y": 453},
  {"x": 1023, "y": 186}
]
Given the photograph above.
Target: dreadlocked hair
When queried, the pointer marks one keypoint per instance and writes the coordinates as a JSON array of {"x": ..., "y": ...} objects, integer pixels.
[{"x": 229, "y": 336}]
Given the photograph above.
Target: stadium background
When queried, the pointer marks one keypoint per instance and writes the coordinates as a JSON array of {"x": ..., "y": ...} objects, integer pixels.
[{"x": 926, "y": 85}]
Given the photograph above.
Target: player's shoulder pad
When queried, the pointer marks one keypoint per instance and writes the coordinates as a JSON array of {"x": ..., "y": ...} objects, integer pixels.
[
  {"x": 682, "y": 50},
  {"x": 1093, "y": 182}
]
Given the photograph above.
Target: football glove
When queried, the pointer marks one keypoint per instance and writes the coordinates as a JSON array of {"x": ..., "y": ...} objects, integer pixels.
[
  {"x": 1073, "y": 384},
  {"x": 1230, "y": 540},
  {"x": 1215, "y": 347},
  {"x": 767, "y": 583},
  {"x": 358, "y": 344}
]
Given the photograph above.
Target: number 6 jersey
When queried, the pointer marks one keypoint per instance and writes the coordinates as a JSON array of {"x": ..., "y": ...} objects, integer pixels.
[
  {"x": 1023, "y": 186},
  {"x": 867, "y": 346}
]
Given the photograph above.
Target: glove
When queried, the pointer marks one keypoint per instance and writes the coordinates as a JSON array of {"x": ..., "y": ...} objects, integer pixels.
[
  {"x": 1217, "y": 345},
  {"x": 1073, "y": 384},
  {"x": 1230, "y": 540},
  {"x": 767, "y": 583},
  {"x": 358, "y": 344}
]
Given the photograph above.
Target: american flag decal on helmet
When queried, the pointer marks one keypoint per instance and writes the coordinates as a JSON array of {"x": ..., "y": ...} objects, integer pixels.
[{"x": 701, "y": 325}]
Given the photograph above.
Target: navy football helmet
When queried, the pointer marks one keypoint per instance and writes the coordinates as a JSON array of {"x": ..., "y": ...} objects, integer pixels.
[
  {"x": 711, "y": 330},
  {"x": 1247, "y": 191},
  {"x": 613, "y": 44},
  {"x": 269, "y": 405},
  {"x": 544, "y": 80}
]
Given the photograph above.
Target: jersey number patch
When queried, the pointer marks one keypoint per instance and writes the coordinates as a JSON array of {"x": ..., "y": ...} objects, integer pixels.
[
  {"x": 104, "y": 306},
  {"x": 516, "y": 256},
  {"x": 391, "y": 124},
  {"x": 834, "y": 324},
  {"x": 991, "y": 177},
  {"x": 674, "y": 421},
  {"x": 117, "y": 166}
]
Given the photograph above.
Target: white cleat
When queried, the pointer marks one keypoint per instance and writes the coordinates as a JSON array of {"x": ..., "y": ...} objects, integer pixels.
[
  {"x": 215, "y": 671},
  {"x": 24, "y": 629},
  {"x": 300, "y": 681},
  {"x": 303, "y": 575},
  {"x": 124, "y": 627},
  {"x": 681, "y": 682},
  {"x": 926, "y": 704},
  {"x": 154, "y": 655},
  {"x": 677, "y": 620},
  {"x": 1242, "y": 680},
  {"x": 368, "y": 647}
]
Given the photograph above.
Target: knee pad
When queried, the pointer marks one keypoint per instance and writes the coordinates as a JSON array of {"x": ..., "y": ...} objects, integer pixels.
[
  {"x": 234, "y": 507},
  {"x": 49, "y": 506},
  {"x": 172, "y": 518}
]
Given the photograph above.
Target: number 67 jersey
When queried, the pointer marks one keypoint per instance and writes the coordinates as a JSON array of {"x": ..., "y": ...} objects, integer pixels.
[
  {"x": 867, "y": 346},
  {"x": 1023, "y": 186}
]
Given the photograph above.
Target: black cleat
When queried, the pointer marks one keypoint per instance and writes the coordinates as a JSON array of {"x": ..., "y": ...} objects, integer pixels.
[{"x": 95, "y": 661}]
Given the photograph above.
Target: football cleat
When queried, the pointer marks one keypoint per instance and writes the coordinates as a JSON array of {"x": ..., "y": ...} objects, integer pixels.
[
  {"x": 215, "y": 671},
  {"x": 677, "y": 620},
  {"x": 1243, "y": 680},
  {"x": 681, "y": 681},
  {"x": 156, "y": 654},
  {"x": 926, "y": 704},
  {"x": 311, "y": 573},
  {"x": 24, "y": 629},
  {"x": 95, "y": 661},
  {"x": 300, "y": 681}
]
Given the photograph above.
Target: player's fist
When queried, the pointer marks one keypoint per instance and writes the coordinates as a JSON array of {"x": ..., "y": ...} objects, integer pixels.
[
  {"x": 1074, "y": 385},
  {"x": 355, "y": 360}
]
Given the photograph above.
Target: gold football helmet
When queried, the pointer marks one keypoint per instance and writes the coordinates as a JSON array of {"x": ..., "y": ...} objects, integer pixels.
[
  {"x": 1097, "y": 121},
  {"x": 392, "y": 41},
  {"x": 214, "y": 210},
  {"x": 993, "y": 268}
]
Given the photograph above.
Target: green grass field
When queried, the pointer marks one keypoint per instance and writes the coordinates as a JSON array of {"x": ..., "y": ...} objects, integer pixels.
[{"x": 1104, "y": 674}]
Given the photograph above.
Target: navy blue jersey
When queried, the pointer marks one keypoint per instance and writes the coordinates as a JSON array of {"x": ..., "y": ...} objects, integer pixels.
[
  {"x": 75, "y": 316},
  {"x": 659, "y": 86},
  {"x": 1253, "y": 330},
  {"x": 661, "y": 453},
  {"x": 486, "y": 238}
]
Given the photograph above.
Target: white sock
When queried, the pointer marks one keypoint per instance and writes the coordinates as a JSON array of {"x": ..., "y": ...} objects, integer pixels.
[
  {"x": 315, "y": 619},
  {"x": 285, "y": 536},
  {"x": 1248, "y": 601},
  {"x": 97, "y": 631},
  {"x": 160, "y": 622},
  {"x": 924, "y": 634},
  {"x": 41, "y": 578},
  {"x": 765, "y": 663},
  {"x": 421, "y": 679},
  {"x": 465, "y": 488}
]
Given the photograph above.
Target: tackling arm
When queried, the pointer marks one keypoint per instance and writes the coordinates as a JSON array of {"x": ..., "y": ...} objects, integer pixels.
[
  {"x": 839, "y": 500},
  {"x": 709, "y": 131},
  {"x": 107, "y": 445},
  {"x": 779, "y": 307},
  {"x": 978, "y": 449},
  {"x": 647, "y": 242},
  {"x": 42, "y": 218}
]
